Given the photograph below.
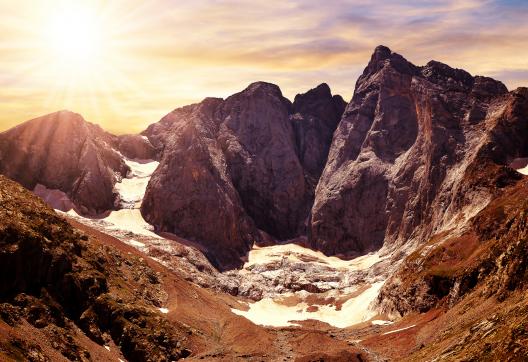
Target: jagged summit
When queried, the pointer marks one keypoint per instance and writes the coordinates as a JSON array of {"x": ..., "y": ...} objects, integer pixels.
[
  {"x": 435, "y": 72},
  {"x": 403, "y": 141},
  {"x": 263, "y": 86}
]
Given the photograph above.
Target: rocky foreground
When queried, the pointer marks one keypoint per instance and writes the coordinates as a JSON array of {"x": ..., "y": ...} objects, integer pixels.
[{"x": 74, "y": 293}]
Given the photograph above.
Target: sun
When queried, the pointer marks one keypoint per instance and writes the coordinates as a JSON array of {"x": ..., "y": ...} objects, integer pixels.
[{"x": 75, "y": 38}]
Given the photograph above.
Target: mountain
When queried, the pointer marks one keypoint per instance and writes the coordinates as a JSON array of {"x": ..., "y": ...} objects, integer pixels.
[
  {"x": 240, "y": 171},
  {"x": 61, "y": 151},
  {"x": 70, "y": 162},
  {"x": 407, "y": 158}
]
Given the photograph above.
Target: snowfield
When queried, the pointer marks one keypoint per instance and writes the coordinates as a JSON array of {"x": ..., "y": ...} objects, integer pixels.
[
  {"x": 297, "y": 253},
  {"x": 131, "y": 192},
  {"x": 132, "y": 188},
  {"x": 270, "y": 312},
  {"x": 130, "y": 220},
  {"x": 274, "y": 269}
]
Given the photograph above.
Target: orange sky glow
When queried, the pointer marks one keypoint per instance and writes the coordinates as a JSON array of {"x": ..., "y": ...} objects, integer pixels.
[{"x": 124, "y": 64}]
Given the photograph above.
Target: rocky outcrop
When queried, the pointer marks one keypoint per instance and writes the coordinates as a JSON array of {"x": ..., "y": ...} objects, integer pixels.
[
  {"x": 232, "y": 173},
  {"x": 399, "y": 155},
  {"x": 136, "y": 147},
  {"x": 315, "y": 117},
  {"x": 64, "y": 287},
  {"x": 191, "y": 194},
  {"x": 258, "y": 141},
  {"x": 62, "y": 151},
  {"x": 489, "y": 250}
]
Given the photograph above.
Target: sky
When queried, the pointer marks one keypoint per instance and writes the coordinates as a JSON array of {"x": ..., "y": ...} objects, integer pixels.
[{"x": 126, "y": 63}]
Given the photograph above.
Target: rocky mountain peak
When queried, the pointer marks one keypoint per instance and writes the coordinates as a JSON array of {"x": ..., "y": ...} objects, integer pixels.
[
  {"x": 444, "y": 75},
  {"x": 62, "y": 151},
  {"x": 56, "y": 121},
  {"x": 383, "y": 57},
  {"x": 488, "y": 87},
  {"x": 319, "y": 102},
  {"x": 400, "y": 145},
  {"x": 260, "y": 87}
]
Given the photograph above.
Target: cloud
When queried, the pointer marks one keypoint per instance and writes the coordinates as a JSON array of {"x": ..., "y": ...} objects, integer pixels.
[{"x": 167, "y": 53}]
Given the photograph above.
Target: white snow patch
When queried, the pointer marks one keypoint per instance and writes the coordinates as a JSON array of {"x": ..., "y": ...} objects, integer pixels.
[
  {"x": 399, "y": 330},
  {"x": 378, "y": 322},
  {"x": 163, "y": 310},
  {"x": 131, "y": 191},
  {"x": 297, "y": 253},
  {"x": 127, "y": 220},
  {"x": 132, "y": 188},
  {"x": 521, "y": 165},
  {"x": 135, "y": 243},
  {"x": 130, "y": 220},
  {"x": 107, "y": 348},
  {"x": 268, "y": 312}
]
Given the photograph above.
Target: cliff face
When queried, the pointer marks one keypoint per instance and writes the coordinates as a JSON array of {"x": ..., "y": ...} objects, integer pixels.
[
  {"x": 237, "y": 171},
  {"x": 191, "y": 194},
  {"x": 489, "y": 250},
  {"x": 62, "y": 151},
  {"x": 315, "y": 117},
  {"x": 399, "y": 156},
  {"x": 258, "y": 141}
]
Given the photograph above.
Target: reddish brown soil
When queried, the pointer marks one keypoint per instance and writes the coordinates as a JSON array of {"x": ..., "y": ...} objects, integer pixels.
[{"x": 220, "y": 335}]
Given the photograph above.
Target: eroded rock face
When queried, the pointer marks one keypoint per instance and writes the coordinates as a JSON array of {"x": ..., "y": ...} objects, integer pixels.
[
  {"x": 489, "y": 250},
  {"x": 258, "y": 141},
  {"x": 399, "y": 154},
  {"x": 136, "y": 147},
  {"x": 232, "y": 173},
  {"x": 191, "y": 194},
  {"x": 316, "y": 115},
  {"x": 64, "y": 152}
]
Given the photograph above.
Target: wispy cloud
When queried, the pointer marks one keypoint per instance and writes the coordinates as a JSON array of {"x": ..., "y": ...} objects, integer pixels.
[{"x": 168, "y": 53}]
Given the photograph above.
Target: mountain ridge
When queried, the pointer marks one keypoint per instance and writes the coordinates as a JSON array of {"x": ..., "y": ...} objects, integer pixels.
[{"x": 421, "y": 176}]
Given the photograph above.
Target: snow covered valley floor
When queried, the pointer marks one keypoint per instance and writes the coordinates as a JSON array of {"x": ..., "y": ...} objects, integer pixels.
[{"x": 289, "y": 283}]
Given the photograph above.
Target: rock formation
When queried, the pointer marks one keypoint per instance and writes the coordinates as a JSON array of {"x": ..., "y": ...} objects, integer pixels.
[
  {"x": 237, "y": 171},
  {"x": 62, "y": 151},
  {"x": 63, "y": 287},
  {"x": 316, "y": 115},
  {"x": 191, "y": 194},
  {"x": 399, "y": 155},
  {"x": 136, "y": 147},
  {"x": 489, "y": 249}
]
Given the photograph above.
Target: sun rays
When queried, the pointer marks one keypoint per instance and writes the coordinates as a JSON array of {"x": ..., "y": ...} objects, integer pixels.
[
  {"x": 79, "y": 55},
  {"x": 125, "y": 63}
]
